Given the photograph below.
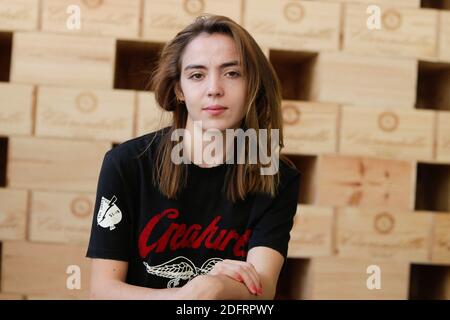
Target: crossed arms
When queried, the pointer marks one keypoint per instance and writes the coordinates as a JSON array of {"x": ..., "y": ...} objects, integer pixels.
[{"x": 229, "y": 280}]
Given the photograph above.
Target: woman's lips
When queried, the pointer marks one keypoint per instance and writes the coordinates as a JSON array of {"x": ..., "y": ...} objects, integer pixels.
[{"x": 215, "y": 110}]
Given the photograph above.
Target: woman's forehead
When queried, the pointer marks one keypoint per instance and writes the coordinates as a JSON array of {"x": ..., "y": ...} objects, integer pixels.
[{"x": 210, "y": 50}]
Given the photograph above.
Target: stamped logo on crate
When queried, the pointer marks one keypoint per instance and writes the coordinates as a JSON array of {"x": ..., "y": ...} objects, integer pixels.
[
  {"x": 293, "y": 12},
  {"x": 93, "y": 3},
  {"x": 392, "y": 20},
  {"x": 86, "y": 102},
  {"x": 193, "y": 6},
  {"x": 388, "y": 121},
  {"x": 291, "y": 114},
  {"x": 81, "y": 207},
  {"x": 384, "y": 223}
]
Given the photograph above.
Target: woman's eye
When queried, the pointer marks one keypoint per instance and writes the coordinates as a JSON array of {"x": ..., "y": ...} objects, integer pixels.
[
  {"x": 233, "y": 74},
  {"x": 196, "y": 76}
]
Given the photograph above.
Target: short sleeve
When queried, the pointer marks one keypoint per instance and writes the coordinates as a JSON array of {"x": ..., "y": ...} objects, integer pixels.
[
  {"x": 273, "y": 229},
  {"x": 111, "y": 227}
]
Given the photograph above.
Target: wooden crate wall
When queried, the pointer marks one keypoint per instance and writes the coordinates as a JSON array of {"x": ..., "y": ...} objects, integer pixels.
[{"x": 366, "y": 118}]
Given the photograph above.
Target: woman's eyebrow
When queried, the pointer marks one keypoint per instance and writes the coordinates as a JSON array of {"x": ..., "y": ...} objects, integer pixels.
[{"x": 222, "y": 66}]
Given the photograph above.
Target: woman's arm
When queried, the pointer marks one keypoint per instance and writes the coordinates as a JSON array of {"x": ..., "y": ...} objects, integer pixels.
[
  {"x": 221, "y": 284},
  {"x": 108, "y": 282}
]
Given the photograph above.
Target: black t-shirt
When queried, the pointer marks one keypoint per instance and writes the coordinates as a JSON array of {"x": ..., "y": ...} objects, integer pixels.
[{"x": 168, "y": 242}]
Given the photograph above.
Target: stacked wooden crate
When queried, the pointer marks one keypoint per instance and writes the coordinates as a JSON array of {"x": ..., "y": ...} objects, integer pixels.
[
  {"x": 366, "y": 118},
  {"x": 367, "y": 121}
]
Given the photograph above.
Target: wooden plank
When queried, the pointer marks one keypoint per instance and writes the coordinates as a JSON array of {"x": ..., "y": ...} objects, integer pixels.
[
  {"x": 85, "y": 113},
  {"x": 63, "y": 60},
  {"x": 54, "y": 164},
  {"x": 364, "y": 80},
  {"x": 11, "y": 296},
  {"x": 387, "y": 133},
  {"x": 312, "y": 232},
  {"x": 381, "y": 233},
  {"x": 398, "y": 3},
  {"x": 13, "y": 214},
  {"x": 443, "y": 136},
  {"x": 39, "y": 269},
  {"x": 107, "y": 17},
  {"x": 163, "y": 19},
  {"x": 309, "y": 128},
  {"x": 365, "y": 182},
  {"x": 405, "y": 32},
  {"x": 334, "y": 278},
  {"x": 298, "y": 25},
  {"x": 444, "y": 36},
  {"x": 150, "y": 116},
  {"x": 440, "y": 250},
  {"x": 19, "y": 14},
  {"x": 61, "y": 217},
  {"x": 16, "y": 108}
]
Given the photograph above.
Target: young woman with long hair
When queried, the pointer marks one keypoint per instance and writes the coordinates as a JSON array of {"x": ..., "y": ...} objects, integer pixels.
[{"x": 196, "y": 229}]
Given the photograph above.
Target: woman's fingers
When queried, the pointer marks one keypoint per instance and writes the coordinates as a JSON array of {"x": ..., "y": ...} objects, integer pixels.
[
  {"x": 240, "y": 271},
  {"x": 251, "y": 269}
]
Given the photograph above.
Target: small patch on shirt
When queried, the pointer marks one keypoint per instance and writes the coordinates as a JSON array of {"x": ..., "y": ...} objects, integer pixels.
[{"x": 109, "y": 213}]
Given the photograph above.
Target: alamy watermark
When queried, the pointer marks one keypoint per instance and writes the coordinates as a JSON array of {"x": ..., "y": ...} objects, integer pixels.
[
  {"x": 208, "y": 147},
  {"x": 73, "y": 281},
  {"x": 374, "y": 280}
]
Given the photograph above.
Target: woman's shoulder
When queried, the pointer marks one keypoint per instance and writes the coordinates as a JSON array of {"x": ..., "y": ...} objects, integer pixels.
[
  {"x": 140, "y": 147},
  {"x": 287, "y": 171}
]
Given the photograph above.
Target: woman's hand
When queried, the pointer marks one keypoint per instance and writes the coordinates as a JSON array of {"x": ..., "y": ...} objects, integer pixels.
[
  {"x": 241, "y": 271},
  {"x": 204, "y": 287}
]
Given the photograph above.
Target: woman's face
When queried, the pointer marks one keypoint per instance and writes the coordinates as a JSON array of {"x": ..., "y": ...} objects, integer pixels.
[{"x": 212, "y": 83}]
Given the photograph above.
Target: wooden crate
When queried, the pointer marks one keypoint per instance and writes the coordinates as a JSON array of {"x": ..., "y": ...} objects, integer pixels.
[
  {"x": 365, "y": 182},
  {"x": 440, "y": 250},
  {"x": 163, "y": 19},
  {"x": 309, "y": 128},
  {"x": 107, "y": 17},
  {"x": 334, "y": 278},
  {"x": 308, "y": 166},
  {"x": 54, "y": 164},
  {"x": 443, "y": 136},
  {"x": 429, "y": 282},
  {"x": 16, "y": 108},
  {"x": 433, "y": 186},
  {"x": 364, "y": 80},
  {"x": 63, "y": 60},
  {"x": 444, "y": 36},
  {"x": 61, "y": 217},
  {"x": 294, "y": 25},
  {"x": 85, "y": 113},
  {"x": 13, "y": 214},
  {"x": 405, "y": 32},
  {"x": 150, "y": 117},
  {"x": 382, "y": 233},
  {"x": 19, "y": 14},
  {"x": 387, "y": 132},
  {"x": 11, "y": 296},
  {"x": 39, "y": 269},
  {"x": 398, "y": 3},
  {"x": 54, "y": 297},
  {"x": 312, "y": 233}
]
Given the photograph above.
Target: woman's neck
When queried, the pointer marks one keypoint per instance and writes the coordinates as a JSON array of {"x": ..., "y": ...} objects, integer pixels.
[{"x": 205, "y": 148}]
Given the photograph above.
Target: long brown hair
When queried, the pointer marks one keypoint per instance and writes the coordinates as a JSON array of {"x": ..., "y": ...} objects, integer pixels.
[{"x": 263, "y": 107}]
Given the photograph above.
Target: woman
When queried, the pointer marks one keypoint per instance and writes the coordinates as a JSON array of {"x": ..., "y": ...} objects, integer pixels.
[{"x": 198, "y": 229}]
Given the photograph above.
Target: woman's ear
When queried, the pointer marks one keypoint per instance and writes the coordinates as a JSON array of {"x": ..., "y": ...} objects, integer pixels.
[{"x": 178, "y": 92}]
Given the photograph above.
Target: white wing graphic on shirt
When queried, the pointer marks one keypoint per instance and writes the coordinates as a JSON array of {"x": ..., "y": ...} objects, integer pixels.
[{"x": 180, "y": 268}]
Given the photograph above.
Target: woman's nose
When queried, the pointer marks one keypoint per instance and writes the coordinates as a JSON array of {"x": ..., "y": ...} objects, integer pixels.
[{"x": 215, "y": 86}]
